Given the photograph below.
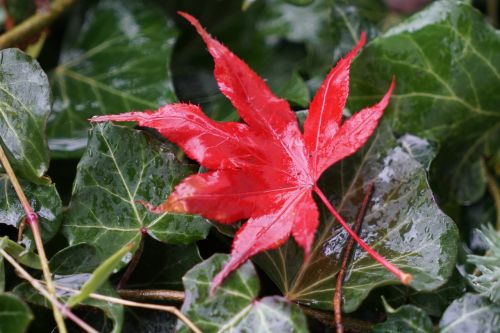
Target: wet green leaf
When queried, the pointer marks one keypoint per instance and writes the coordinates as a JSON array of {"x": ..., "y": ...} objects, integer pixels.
[
  {"x": 472, "y": 314},
  {"x": 329, "y": 29},
  {"x": 234, "y": 307},
  {"x": 43, "y": 198},
  {"x": 20, "y": 254},
  {"x": 433, "y": 302},
  {"x": 99, "y": 276},
  {"x": 25, "y": 106},
  {"x": 443, "y": 93},
  {"x": 72, "y": 267},
  {"x": 403, "y": 224},
  {"x": 120, "y": 167},
  {"x": 407, "y": 318},
  {"x": 15, "y": 316},
  {"x": 64, "y": 263},
  {"x": 271, "y": 58},
  {"x": 116, "y": 60}
]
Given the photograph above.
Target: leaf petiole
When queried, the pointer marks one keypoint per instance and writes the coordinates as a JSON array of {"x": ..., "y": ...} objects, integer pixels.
[{"x": 405, "y": 278}]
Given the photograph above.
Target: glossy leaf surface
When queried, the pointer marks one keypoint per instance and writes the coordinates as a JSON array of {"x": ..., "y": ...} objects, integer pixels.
[
  {"x": 235, "y": 307},
  {"x": 447, "y": 94},
  {"x": 120, "y": 167},
  {"x": 407, "y": 318},
  {"x": 99, "y": 276},
  {"x": 25, "y": 106},
  {"x": 15, "y": 316},
  {"x": 262, "y": 170},
  {"x": 119, "y": 62},
  {"x": 471, "y": 313},
  {"x": 43, "y": 198},
  {"x": 402, "y": 223}
]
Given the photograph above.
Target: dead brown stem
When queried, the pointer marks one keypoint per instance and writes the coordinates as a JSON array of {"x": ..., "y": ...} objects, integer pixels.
[
  {"x": 152, "y": 295},
  {"x": 337, "y": 297}
]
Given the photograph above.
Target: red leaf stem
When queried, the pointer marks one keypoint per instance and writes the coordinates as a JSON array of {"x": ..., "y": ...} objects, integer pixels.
[{"x": 405, "y": 278}]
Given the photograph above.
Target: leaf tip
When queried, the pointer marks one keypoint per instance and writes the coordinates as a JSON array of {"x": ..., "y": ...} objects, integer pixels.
[{"x": 187, "y": 16}]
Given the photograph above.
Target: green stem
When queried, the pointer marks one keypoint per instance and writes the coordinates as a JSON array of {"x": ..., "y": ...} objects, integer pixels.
[
  {"x": 32, "y": 220},
  {"x": 34, "y": 24},
  {"x": 166, "y": 308}
]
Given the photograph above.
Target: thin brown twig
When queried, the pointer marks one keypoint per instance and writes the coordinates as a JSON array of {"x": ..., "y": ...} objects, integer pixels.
[
  {"x": 337, "y": 297},
  {"x": 53, "y": 300},
  {"x": 34, "y": 24},
  {"x": 153, "y": 295},
  {"x": 32, "y": 220},
  {"x": 166, "y": 308}
]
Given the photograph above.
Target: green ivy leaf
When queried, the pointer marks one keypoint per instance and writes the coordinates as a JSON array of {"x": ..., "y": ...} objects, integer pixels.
[
  {"x": 118, "y": 61},
  {"x": 403, "y": 224},
  {"x": 446, "y": 61},
  {"x": 120, "y": 167},
  {"x": 407, "y": 318},
  {"x": 45, "y": 201},
  {"x": 15, "y": 316},
  {"x": 72, "y": 267},
  {"x": 328, "y": 29},
  {"x": 64, "y": 263},
  {"x": 472, "y": 314},
  {"x": 25, "y": 106},
  {"x": 99, "y": 276},
  {"x": 20, "y": 254},
  {"x": 433, "y": 302},
  {"x": 234, "y": 307}
]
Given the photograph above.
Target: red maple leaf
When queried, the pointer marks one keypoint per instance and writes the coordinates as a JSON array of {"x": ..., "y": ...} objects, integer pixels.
[{"x": 264, "y": 170}]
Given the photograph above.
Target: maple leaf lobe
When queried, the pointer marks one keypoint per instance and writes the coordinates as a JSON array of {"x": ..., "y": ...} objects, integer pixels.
[{"x": 264, "y": 169}]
